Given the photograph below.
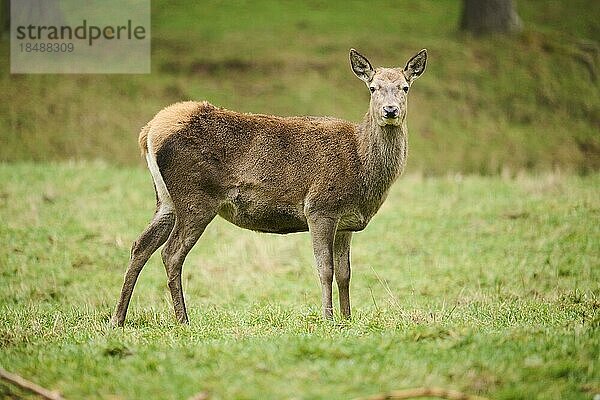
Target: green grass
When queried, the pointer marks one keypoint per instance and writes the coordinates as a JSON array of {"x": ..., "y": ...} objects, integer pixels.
[
  {"x": 489, "y": 285},
  {"x": 530, "y": 101},
  {"x": 486, "y": 285}
]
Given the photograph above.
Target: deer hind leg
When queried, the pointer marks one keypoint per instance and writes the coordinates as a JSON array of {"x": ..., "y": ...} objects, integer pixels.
[
  {"x": 342, "y": 270},
  {"x": 155, "y": 234},
  {"x": 322, "y": 230},
  {"x": 188, "y": 229}
]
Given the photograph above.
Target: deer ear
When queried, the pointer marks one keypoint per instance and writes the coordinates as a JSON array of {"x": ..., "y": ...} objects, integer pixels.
[
  {"x": 361, "y": 67},
  {"x": 416, "y": 65}
]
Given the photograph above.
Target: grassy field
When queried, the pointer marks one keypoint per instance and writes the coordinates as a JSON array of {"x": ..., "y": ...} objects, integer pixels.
[
  {"x": 527, "y": 101},
  {"x": 483, "y": 284},
  {"x": 481, "y": 272}
]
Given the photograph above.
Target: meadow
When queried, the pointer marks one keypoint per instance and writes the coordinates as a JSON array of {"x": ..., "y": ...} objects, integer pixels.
[
  {"x": 527, "y": 101},
  {"x": 480, "y": 273},
  {"x": 486, "y": 285}
]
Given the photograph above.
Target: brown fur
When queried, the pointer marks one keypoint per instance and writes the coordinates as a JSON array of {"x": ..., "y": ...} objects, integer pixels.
[
  {"x": 168, "y": 121},
  {"x": 275, "y": 174},
  {"x": 257, "y": 189}
]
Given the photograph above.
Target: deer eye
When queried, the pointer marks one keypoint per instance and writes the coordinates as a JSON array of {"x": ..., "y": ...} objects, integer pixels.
[
  {"x": 405, "y": 88},
  {"x": 372, "y": 89}
]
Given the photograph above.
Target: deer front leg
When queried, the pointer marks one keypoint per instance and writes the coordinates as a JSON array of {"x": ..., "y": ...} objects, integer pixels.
[
  {"x": 322, "y": 230},
  {"x": 342, "y": 270}
]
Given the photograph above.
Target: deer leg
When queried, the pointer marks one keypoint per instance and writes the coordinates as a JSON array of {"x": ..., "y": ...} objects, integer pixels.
[
  {"x": 322, "y": 231},
  {"x": 183, "y": 237},
  {"x": 342, "y": 270},
  {"x": 155, "y": 234}
]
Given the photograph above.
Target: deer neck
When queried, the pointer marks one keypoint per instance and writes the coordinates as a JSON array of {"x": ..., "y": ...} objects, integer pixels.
[{"x": 383, "y": 151}]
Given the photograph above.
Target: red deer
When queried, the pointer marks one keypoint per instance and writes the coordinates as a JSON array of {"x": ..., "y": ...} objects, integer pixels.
[{"x": 273, "y": 174}]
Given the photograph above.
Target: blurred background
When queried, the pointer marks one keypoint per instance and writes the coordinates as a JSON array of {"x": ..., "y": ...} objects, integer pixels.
[{"x": 514, "y": 91}]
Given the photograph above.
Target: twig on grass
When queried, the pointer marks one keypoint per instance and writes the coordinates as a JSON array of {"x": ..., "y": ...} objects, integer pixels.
[
  {"x": 28, "y": 385},
  {"x": 422, "y": 392},
  {"x": 200, "y": 396}
]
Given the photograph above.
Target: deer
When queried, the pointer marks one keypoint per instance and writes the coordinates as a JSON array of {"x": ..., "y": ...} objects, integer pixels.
[{"x": 273, "y": 174}]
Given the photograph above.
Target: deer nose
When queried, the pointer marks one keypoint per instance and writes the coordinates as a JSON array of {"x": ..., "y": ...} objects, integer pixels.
[{"x": 390, "y": 111}]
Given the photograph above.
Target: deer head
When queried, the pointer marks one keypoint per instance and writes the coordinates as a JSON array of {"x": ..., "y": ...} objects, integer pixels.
[{"x": 389, "y": 86}]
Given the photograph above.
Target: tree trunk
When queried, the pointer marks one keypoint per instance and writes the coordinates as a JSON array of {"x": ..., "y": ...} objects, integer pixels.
[
  {"x": 487, "y": 16},
  {"x": 6, "y": 16}
]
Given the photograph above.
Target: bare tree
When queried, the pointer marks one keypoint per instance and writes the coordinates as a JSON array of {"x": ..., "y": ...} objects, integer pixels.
[{"x": 487, "y": 16}]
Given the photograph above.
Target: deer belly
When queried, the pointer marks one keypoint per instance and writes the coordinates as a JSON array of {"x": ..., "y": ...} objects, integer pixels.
[
  {"x": 352, "y": 221},
  {"x": 264, "y": 216}
]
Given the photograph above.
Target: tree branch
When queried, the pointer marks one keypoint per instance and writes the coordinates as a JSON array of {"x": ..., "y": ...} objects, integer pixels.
[
  {"x": 422, "y": 392},
  {"x": 27, "y": 385}
]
